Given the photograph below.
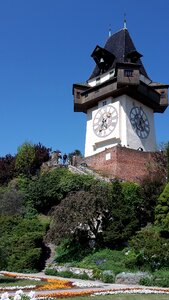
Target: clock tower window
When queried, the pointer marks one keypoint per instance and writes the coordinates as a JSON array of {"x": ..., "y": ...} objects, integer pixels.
[
  {"x": 128, "y": 73},
  {"x": 104, "y": 103},
  {"x": 98, "y": 80}
]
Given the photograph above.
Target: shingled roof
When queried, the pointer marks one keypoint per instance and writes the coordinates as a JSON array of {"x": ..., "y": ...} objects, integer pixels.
[{"x": 120, "y": 45}]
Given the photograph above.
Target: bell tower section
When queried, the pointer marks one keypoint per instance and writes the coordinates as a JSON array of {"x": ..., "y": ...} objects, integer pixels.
[{"x": 119, "y": 99}]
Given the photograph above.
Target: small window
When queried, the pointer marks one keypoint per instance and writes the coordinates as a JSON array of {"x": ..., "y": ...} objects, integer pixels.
[
  {"x": 112, "y": 73},
  {"x": 162, "y": 94},
  {"x": 108, "y": 156},
  {"x": 104, "y": 103},
  {"x": 98, "y": 80},
  {"x": 86, "y": 95},
  {"x": 78, "y": 95},
  {"x": 128, "y": 73}
]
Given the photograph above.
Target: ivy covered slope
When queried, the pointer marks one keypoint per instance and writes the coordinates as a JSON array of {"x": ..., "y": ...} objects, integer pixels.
[{"x": 79, "y": 214}]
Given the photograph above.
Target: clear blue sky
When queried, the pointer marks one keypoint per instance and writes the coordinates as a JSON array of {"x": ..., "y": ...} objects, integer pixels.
[{"x": 45, "y": 47}]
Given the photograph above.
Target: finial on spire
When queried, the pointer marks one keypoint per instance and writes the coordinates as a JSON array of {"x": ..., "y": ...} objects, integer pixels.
[
  {"x": 109, "y": 30},
  {"x": 125, "y": 22}
]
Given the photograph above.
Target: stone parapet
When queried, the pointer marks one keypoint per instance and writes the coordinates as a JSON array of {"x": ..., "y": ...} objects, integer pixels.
[{"x": 120, "y": 162}]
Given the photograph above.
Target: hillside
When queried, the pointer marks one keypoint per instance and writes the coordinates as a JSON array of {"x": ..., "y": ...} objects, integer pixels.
[{"x": 81, "y": 213}]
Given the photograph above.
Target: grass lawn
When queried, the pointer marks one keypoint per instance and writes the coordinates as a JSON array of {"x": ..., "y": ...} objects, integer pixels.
[{"x": 9, "y": 281}]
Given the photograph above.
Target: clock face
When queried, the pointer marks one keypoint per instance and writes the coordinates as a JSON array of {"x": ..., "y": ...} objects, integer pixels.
[
  {"x": 139, "y": 122},
  {"x": 105, "y": 121}
]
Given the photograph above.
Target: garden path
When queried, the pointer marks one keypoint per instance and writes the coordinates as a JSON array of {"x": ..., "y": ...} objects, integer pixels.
[{"x": 98, "y": 285}]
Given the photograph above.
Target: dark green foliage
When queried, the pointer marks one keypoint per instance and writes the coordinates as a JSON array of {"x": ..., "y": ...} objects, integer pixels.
[
  {"x": 3, "y": 259},
  {"x": 30, "y": 261},
  {"x": 123, "y": 220},
  {"x": 42, "y": 154},
  {"x": 51, "y": 272},
  {"x": 11, "y": 202},
  {"x": 158, "y": 278},
  {"x": 25, "y": 158},
  {"x": 75, "y": 182},
  {"x": 7, "y": 169},
  {"x": 44, "y": 191},
  {"x": 48, "y": 189},
  {"x": 79, "y": 212},
  {"x": 167, "y": 152},
  {"x": 150, "y": 191},
  {"x": 108, "y": 277},
  {"x": 162, "y": 209},
  {"x": 30, "y": 157},
  {"x": 132, "y": 259},
  {"x": 66, "y": 274},
  {"x": 151, "y": 248},
  {"x": 105, "y": 259},
  {"x": 21, "y": 242},
  {"x": 86, "y": 214},
  {"x": 70, "y": 250}
]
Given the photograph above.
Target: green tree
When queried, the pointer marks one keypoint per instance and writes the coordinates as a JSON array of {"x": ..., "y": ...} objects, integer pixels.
[
  {"x": 49, "y": 188},
  {"x": 152, "y": 250},
  {"x": 11, "y": 203},
  {"x": 80, "y": 212},
  {"x": 44, "y": 191},
  {"x": 162, "y": 208},
  {"x": 7, "y": 169},
  {"x": 21, "y": 243},
  {"x": 123, "y": 220},
  {"x": 150, "y": 190},
  {"x": 42, "y": 154},
  {"x": 167, "y": 151},
  {"x": 25, "y": 158},
  {"x": 2, "y": 259}
]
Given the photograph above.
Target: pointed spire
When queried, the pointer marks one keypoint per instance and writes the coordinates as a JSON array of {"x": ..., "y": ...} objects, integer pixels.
[
  {"x": 125, "y": 22},
  {"x": 110, "y": 30}
]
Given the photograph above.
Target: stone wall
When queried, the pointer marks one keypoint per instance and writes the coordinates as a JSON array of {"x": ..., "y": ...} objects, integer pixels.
[
  {"x": 121, "y": 162},
  {"x": 77, "y": 271}
]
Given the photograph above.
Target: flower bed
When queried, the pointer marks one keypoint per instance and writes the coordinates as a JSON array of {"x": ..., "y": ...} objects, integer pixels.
[
  {"x": 103, "y": 292},
  {"x": 52, "y": 283},
  {"x": 49, "y": 283}
]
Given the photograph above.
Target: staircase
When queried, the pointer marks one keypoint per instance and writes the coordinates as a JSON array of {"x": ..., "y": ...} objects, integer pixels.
[
  {"x": 51, "y": 256},
  {"x": 84, "y": 170}
]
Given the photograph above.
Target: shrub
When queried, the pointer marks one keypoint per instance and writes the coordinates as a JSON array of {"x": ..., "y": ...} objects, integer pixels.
[
  {"x": 51, "y": 272},
  {"x": 162, "y": 208},
  {"x": 70, "y": 250},
  {"x": 27, "y": 262},
  {"x": 97, "y": 273},
  {"x": 158, "y": 278},
  {"x": 21, "y": 243},
  {"x": 105, "y": 259},
  {"x": 131, "y": 259},
  {"x": 151, "y": 249},
  {"x": 108, "y": 276},
  {"x": 66, "y": 274}
]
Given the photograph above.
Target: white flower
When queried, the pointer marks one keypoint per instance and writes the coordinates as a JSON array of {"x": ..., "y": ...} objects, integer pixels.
[
  {"x": 85, "y": 284},
  {"x": 5, "y": 296},
  {"x": 26, "y": 287},
  {"x": 17, "y": 297},
  {"x": 19, "y": 292},
  {"x": 31, "y": 295},
  {"x": 132, "y": 291}
]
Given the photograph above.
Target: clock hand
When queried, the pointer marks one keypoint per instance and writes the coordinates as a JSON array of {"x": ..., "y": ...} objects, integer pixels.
[{"x": 103, "y": 124}]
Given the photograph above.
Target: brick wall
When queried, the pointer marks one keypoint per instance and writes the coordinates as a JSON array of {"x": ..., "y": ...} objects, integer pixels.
[{"x": 124, "y": 163}]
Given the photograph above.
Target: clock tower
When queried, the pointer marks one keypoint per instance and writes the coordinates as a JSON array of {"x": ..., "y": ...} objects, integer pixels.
[{"x": 119, "y": 98}]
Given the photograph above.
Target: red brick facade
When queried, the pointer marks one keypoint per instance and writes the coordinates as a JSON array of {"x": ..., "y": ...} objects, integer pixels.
[{"x": 121, "y": 162}]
